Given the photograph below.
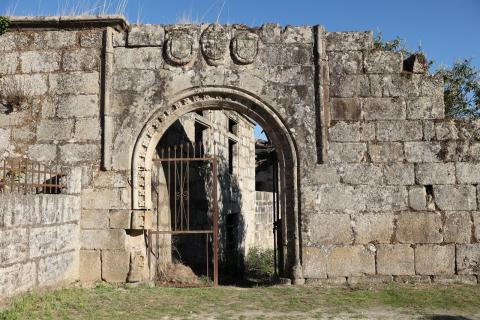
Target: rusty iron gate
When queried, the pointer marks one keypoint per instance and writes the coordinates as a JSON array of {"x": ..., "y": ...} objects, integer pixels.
[{"x": 175, "y": 164}]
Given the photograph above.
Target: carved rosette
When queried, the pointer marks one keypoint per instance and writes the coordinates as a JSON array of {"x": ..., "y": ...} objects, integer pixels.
[
  {"x": 179, "y": 47},
  {"x": 245, "y": 47},
  {"x": 214, "y": 44}
]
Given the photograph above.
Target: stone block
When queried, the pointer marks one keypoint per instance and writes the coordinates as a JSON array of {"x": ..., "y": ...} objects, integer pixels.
[
  {"x": 73, "y": 153},
  {"x": 347, "y": 62},
  {"x": 346, "y": 152},
  {"x": 141, "y": 220},
  {"x": 90, "y": 266},
  {"x": 417, "y": 198},
  {"x": 351, "y": 132},
  {"x": 384, "y": 198},
  {"x": 419, "y": 227},
  {"x": 361, "y": 173},
  {"x": 120, "y": 219},
  {"x": 468, "y": 173},
  {"x": 58, "y": 269},
  {"x": 456, "y": 279},
  {"x": 25, "y": 85},
  {"x": 415, "y": 279},
  {"x": 91, "y": 39},
  {"x": 369, "y": 280},
  {"x": 94, "y": 219},
  {"x": 110, "y": 179},
  {"x": 13, "y": 245},
  {"x": 139, "y": 58},
  {"x": 349, "y": 86},
  {"x": 325, "y": 229},
  {"x": 297, "y": 34},
  {"x": 103, "y": 239},
  {"x": 340, "y": 198},
  {"x": 119, "y": 39},
  {"x": 433, "y": 259},
  {"x": 314, "y": 262},
  {"x": 458, "y": 227},
  {"x": 435, "y": 173},
  {"x": 73, "y": 106},
  {"x": 4, "y": 139},
  {"x": 384, "y": 109},
  {"x": 55, "y": 129},
  {"x": 52, "y": 239},
  {"x": 386, "y": 152},
  {"x": 17, "y": 278},
  {"x": 54, "y": 39},
  {"x": 446, "y": 130},
  {"x": 394, "y": 85},
  {"x": 133, "y": 80},
  {"x": 425, "y": 108},
  {"x": 399, "y": 173},
  {"x": 397, "y": 259},
  {"x": 379, "y": 61},
  {"x": 138, "y": 267},
  {"x": 42, "y": 152},
  {"x": 376, "y": 228},
  {"x": 428, "y": 130},
  {"x": 40, "y": 61},
  {"x": 326, "y": 174},
  {"x": 468, "y": 258},
  {"x": 115, "y": 265},
  {"x": 350, "y": 261},
  {"x": 399, "y": 130},
  {"x": 103, "y": 199},
  {"x": 476, "y": 222},
  {"x": 87, "y": 129},
  {"x": 148, "y": 35},
  {"x": 8, "y": 63},
  {"x": 345, "y": 109},
  {"x": 423, "y": 151},
  {"x": 455, "y": 197},
  {"x": 349, "y": 41},
  {"x": 81, "y": 60},
  {"x": 75, "y": 83}
]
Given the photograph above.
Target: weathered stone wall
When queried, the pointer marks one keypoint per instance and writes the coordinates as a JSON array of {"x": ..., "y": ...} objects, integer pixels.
[
  {"x": 39, "y": 243},
  {"x": 375, "y": 183},
  {"x": 264, "y": 220}
]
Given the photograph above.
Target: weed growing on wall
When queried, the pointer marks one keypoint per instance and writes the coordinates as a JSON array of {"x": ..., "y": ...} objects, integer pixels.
[{"x": 4, "y": 24}]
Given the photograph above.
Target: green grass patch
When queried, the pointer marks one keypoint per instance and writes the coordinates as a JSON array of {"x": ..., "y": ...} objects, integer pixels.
[{"x": 111, "y": 302}]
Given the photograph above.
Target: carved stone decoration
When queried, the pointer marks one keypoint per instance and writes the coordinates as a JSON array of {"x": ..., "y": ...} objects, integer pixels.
[
  {"x": 245, "y": 47},
  {"x": 214, "y": 43},
  {"x": 179, "y": 47}
]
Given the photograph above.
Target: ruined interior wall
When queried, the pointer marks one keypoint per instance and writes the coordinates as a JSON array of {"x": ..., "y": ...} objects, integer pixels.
[
  {"x": 39, "y": 241},
  {"x": 264, "y": 220},
  {"x": 398, "y": 195}
]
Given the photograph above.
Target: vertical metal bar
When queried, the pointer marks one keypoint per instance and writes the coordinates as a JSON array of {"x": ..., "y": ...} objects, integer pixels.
[
  {"x": 169, "y": 189},
  {"x": 175, "y": 185},
  {"x": 50, "y": 179},
  {"x": 188, "y": 194},
  {"x": 182, "y": 186},
  {"x": 206, "y": 249},
  {"x": 274, "y": 219},
  {"x": 215, "y": 220},
  {"x": 38, "y": 176},
  {"x": 25, "y": 178}
]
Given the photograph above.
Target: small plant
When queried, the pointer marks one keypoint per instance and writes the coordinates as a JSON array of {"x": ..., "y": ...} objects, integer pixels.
[
  {"x": 259, "y": 264},
  {"x": 15, "y": 96},
  {"x": 4, "y": 24}
]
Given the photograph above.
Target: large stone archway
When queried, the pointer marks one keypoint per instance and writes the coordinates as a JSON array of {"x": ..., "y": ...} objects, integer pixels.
[{"x": 225, "y": 98}]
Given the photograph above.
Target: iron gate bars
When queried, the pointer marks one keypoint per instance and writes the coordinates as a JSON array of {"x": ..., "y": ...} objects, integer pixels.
[
  {"x": 25, "y": 176},
  {"x": 176, "y": 162}
]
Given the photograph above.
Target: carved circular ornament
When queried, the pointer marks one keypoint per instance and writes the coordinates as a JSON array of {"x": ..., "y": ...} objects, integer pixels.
[
  {"x": 214, "y": 43},
  {"x": 245, "y": 47},
  {"x": 179, "y": 47}
]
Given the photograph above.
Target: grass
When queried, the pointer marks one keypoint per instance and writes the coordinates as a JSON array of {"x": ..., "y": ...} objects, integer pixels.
[{"x": 110, "y": 302}]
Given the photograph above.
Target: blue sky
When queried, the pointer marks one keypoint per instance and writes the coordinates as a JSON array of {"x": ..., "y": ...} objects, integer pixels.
[{"x": 446, "y": 30}]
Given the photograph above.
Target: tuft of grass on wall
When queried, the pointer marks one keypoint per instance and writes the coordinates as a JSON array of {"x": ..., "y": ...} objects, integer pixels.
[{"x": 4, "y": 24}]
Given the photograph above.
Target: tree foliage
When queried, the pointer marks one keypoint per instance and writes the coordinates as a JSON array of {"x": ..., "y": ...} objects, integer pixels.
[
  {"x": 4, "y": 24},
  {"x": 461, "y": 81},
  {"x": 462, "y": 90}
]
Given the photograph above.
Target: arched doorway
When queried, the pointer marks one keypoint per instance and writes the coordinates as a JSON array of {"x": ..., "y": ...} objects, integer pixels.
[{"x": 224, "y": 98}]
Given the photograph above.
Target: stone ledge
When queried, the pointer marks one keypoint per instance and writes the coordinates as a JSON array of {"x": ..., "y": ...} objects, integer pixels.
[{"x": 117, "y": 22}]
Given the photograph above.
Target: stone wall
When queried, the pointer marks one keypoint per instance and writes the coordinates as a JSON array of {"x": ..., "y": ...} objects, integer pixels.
[
  {"x": 39, "y": 244},
  {"x": 264, "y": 220},
  {"x": 375, "y": 184}
]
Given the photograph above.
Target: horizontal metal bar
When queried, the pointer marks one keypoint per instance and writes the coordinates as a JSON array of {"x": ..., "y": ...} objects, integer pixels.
[
  {"x": 183, "y": 232},
  {"x": 183, "y": 159}
]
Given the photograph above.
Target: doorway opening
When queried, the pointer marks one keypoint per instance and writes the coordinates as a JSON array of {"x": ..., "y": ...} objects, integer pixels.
[{"x": 215, "y": 198}]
